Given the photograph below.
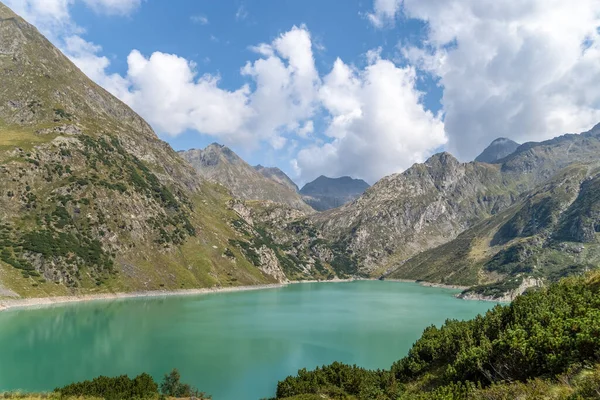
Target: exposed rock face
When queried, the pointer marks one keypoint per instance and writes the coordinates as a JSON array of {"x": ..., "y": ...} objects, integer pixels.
[
  {"x": 425, "y": 206},
  {"x": 497, "y": 150},
  {"x": 526, "y": 284},
  {"x": 270, "y": 264},
  {"x": 220, "y": 164},
  {"x": 326, "y": 193},
  {"x": 277, "y": 175},
  {"x": 301, "y": 250}
]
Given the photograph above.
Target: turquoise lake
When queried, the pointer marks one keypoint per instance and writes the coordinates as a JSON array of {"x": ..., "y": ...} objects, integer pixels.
[{"x": 231, "y": 345}]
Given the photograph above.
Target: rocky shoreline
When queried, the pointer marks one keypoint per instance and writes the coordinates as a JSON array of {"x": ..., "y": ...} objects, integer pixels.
[{"x": 508, "y": 297}]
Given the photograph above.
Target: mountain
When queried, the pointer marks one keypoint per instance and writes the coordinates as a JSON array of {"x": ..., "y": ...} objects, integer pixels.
[
  {"x": 430, "y": 204},
  {"x": 326, "y": 193},
  {"x": 277, "y": 175},
  {"x": 92, "y": 201},
  {"x": 220, "y": 164},
  {"x": 550, "y": 233},
  {"x": 497, "y": 150}
]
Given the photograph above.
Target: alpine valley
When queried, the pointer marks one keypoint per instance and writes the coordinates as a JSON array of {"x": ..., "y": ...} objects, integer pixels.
[{"x": 91, "y": 201}]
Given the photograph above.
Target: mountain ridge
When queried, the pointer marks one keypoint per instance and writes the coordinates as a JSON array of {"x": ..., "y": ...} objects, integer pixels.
[
  {"x": 325, "y": 193},
  {"x": 220, "y": 164},
  {"x": 430, "y": 204},
  {"x": 497, "y": 150},
  {"x": 277, "y": 175}
]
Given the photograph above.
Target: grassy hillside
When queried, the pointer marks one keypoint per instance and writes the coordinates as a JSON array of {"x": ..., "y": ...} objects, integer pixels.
[
  {"x": 91, "y": 199},
  {"x": 546, "y": 344}
]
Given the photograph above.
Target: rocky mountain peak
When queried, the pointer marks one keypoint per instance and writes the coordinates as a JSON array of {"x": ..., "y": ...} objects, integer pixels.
[
  {"x": 277, "y": 175},
  {"x": 497, "y": 150},
  {"x": 221, "y": 164}
]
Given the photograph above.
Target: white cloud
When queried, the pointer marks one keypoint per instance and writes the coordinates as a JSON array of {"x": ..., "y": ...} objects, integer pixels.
[
  {"x": 307, "y": 129},
  {"x": 286, "y": 84},
  {"x": 528, "y": 70},
  {"x": 170, "y": 93},
  {"x": 83, "y": 54},
  {"x": 114, "y": 7},
  {"x": 384, "y": 12},
  {"x": 165, "y": 90},
  {"x": 378, "y": 123},
  {"x": 199, "y": 19},
  {"x": 49, "y": 16}
]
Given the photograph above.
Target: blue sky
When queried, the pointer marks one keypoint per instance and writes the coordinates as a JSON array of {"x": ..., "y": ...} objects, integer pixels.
[
  {"x": 356, "y": 87},
  {"x": 216, "y": 35}
]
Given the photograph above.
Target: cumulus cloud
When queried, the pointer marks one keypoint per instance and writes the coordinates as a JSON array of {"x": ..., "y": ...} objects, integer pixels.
[
  {"x": 377, "y": 121},
  {"x": 166, "y": 90},
  {"x": 173, "y": 96},
  {"x": 528, "y": 70},
  {"x": 84, "y": 55}
]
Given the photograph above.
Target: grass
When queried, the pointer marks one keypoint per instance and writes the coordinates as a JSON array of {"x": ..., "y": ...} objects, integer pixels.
[{"x": 25, "y": 138}]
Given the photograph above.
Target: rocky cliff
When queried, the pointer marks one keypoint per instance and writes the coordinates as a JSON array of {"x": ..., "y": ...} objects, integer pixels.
[{"x": 220, "y": 164}]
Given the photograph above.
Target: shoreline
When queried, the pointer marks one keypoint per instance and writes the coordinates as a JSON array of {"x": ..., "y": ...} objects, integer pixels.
[
  {"x": 429, "y": 284},
  {"x": 40, "y": 302}
]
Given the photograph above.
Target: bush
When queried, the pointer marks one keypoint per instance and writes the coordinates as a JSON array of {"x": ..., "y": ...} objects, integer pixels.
[
  {"x": 121, "y": 387},
  {"x": 171, "y": 386}
]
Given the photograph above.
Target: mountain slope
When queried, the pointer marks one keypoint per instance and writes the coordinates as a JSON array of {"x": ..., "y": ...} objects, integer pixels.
[
  {"x": 498, "y": 149},
  {"x": 91, "y": 200},
  {"x": 548, "y": 234},
  {"x": 326, "y": 193},
  {"x": 423, "y": 207},
  {"x": 220, "y": 164},
  {"x": 432, "y": 203},
  {"x": 277, "y": 175}
]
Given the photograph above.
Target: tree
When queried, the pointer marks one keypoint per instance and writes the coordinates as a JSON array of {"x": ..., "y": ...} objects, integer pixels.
[{"x": 171, "y": 386}]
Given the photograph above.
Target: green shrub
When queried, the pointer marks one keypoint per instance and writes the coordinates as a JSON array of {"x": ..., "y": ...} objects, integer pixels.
[
  {"x": 121, "y": 387},
  {"x": 171, "y": 386}
]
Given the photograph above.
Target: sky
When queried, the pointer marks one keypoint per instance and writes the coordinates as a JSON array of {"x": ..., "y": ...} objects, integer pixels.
[{"x": 364, "y": 88}]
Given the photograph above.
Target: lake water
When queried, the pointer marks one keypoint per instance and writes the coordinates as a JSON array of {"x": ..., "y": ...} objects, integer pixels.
[{"x": 231, "y": 345}]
